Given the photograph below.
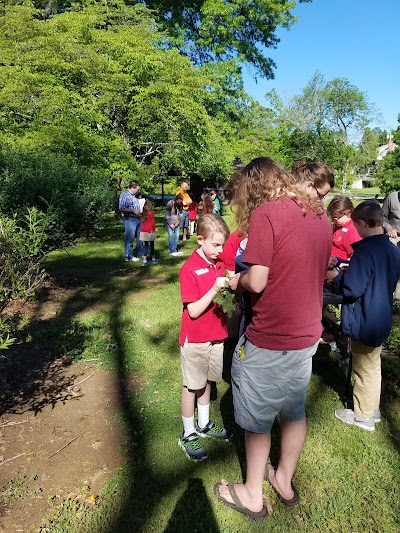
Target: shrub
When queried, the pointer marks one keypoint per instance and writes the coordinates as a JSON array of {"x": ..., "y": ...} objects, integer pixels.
[
  {"x": 80, "y": 197},
  {"x": 22, "y": 246}
]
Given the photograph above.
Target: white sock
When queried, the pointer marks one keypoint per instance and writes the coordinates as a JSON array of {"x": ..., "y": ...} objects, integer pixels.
[
  {"x": 188, "y": 425},
  {"x": 203, "y": 415}
]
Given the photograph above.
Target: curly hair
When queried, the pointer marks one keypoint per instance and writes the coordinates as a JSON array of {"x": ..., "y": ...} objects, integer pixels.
[{"x": 263, "y": 179}]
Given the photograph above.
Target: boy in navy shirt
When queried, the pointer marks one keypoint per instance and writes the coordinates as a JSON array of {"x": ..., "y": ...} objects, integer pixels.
[{"x": 368, "y": 285}]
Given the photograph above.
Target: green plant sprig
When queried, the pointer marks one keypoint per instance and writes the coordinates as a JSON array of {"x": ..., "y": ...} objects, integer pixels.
[{"x": 226, "y": 299}]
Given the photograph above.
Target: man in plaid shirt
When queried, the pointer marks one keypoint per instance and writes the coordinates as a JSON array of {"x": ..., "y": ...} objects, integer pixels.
[{"x": 130, "y": 209}]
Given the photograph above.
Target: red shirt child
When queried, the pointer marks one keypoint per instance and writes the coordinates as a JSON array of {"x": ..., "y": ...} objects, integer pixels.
[
  {"x": 148, "y": 225},
  {"x": 193, "y": 209},
  {"x": 230, "y": 250},
  {"x": 196, "y": 277},
  {"x": 343, "y": 237}
]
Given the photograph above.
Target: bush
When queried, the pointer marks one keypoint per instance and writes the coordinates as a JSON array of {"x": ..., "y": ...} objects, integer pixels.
[
  {"x": 80, "y": 197},
  {"x": 22, "y": 246}
]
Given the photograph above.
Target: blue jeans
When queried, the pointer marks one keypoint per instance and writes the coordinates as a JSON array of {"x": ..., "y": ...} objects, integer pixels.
[
  {"x": 173, "y": 238},
  {"x": 132, "y": 230}
]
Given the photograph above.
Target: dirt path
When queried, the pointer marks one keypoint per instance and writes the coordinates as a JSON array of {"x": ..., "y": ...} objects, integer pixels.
[
  {"x": 34, "y": 480},
  {"x": 45, "y": 402}
]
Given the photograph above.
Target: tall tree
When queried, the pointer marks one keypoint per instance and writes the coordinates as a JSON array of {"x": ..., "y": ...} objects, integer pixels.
[
  {"x": 324, "y": 121},
  {"x": 214, "y": 30}
]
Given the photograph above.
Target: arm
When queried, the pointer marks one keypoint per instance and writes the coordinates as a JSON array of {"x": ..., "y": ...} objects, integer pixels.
[
  {"x": 195, "y": 309},
  {"x": 135, "y": 207},
  {"x": 356, "y": 277},
  {"x": 386, "y": 224},
  {"x": 253, "y": 280}
]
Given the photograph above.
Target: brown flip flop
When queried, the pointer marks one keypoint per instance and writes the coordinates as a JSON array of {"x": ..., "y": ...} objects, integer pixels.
[
  {"x": 237, "y": 505},
  {"x": 290, "y": 503}
]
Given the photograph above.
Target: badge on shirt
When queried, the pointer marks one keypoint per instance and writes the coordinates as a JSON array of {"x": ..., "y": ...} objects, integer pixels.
[
  {"x": 201, "y": 271},
  {"x": 345, "y": 229}
]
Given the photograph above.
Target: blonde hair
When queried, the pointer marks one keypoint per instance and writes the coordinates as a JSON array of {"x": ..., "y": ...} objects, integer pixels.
[{"x": 209, "y": 224}]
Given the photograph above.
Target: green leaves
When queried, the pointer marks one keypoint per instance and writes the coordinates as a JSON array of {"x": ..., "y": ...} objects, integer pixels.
[{"x": 226, "y": 299}]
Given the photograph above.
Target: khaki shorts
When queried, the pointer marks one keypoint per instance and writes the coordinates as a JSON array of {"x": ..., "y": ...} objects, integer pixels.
[{"x": 201, "y": 362}]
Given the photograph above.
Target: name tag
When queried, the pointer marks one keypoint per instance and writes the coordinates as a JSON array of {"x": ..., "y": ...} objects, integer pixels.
[
  {"x": 201, "y": 271},
  {"x": 345, "y": 229}
]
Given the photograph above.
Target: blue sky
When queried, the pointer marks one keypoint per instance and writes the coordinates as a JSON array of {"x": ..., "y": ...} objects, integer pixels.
[{"x": 353, "y": 39}]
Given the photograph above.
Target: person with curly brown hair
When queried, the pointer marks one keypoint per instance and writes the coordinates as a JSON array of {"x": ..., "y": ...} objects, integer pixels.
[{"x": 271, "y": 366}]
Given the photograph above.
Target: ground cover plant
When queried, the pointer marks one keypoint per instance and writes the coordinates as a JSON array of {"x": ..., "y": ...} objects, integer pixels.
[{"x": 127, "y": 317}]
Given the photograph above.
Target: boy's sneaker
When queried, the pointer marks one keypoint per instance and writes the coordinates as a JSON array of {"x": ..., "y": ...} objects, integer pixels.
[
  {"x": 377, "y": 415},
  {"x": 134, "y": 259},
  {"x": 348, "y": 417},
  {"x": 192, "y": 447},
  {"x": 154, "y": 261},
  {"x": 145, "y": 263},
  {"x": 214, "y": 431}
]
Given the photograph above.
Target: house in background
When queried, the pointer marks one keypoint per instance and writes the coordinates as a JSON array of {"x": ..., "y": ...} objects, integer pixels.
[{"x": 367, "y": 179}]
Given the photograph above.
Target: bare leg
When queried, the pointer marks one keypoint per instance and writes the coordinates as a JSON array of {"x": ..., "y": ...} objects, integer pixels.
[
  {"x": 250, "y": 493},
  {"x": 293, "y": 435}
]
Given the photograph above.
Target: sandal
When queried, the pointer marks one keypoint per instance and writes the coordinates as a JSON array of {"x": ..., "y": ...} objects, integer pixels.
[
  {"x": 293, "y": 501},
  {"x": 237, "y": 505}
]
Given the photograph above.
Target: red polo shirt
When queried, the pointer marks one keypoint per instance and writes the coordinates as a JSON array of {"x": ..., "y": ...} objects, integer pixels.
[
  {"x": 196, "y": 278},
  {"x": 343, "y": 238},
  {"x": 230, "y": 250}
]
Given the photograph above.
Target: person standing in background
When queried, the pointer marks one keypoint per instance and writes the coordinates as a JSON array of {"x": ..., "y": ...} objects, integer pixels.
[
  {"x": 391, "y": 224},
  {"x": 131, "y": 211},
  {"x": 184, "y": 223}
]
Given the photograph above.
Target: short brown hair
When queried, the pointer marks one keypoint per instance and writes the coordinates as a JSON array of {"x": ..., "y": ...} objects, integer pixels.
[
  {"x": 370, "y": 212},
  {"x": 209, "y": 224},
  {"x": 133, "y": 184},
  {"x": 339, "y": 205}
]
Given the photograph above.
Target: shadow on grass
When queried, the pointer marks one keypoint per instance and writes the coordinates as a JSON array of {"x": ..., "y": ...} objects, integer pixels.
[{"x": 193, "y": 511}]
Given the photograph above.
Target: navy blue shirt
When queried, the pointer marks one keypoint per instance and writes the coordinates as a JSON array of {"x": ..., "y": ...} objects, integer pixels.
[{"x": 368, "y": 285}]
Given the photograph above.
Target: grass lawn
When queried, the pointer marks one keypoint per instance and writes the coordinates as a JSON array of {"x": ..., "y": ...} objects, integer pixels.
[{"x": 129, "y": 317}]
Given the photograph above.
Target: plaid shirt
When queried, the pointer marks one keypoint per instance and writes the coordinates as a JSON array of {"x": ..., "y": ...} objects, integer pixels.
[{"x": 127, "y": 200}]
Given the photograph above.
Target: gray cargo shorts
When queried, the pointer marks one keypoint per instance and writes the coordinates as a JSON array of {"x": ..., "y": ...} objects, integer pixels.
[{"x": 266, "y": 383}]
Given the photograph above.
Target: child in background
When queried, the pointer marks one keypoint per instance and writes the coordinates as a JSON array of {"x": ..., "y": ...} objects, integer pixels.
[
  {"x": 217, "y": 206},
  {"x": 206, "y": 205},
  {"x": 344, "y": 233},
  {"x": 193, "y": 209},
  {"x": 368, "y": 285},
  {"x": 148, "y": 231},
  {"x": 203, "y": 330}
]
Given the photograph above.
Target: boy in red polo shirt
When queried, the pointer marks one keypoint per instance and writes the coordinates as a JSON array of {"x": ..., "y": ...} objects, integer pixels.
[{"x": 203, "y": 330}]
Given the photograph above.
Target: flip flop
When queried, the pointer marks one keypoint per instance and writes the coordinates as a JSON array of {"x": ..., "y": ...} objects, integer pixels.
[
  {"x": 237, "y": 505},
  {"x": 293, "y": 501}
]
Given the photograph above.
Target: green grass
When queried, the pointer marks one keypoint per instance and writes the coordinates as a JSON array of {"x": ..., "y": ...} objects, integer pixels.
[{"x": 129, "y": 319}]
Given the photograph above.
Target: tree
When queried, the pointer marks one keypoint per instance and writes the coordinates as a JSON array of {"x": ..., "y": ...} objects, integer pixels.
[
  {"x": 324, "y": 121},
  {"x": 103, "y": 86},
  {"x": 215, "y": 30}
]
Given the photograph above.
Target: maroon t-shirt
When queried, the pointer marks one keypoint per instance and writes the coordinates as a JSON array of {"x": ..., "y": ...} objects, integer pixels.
[{"x": 296, "y": 249}]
